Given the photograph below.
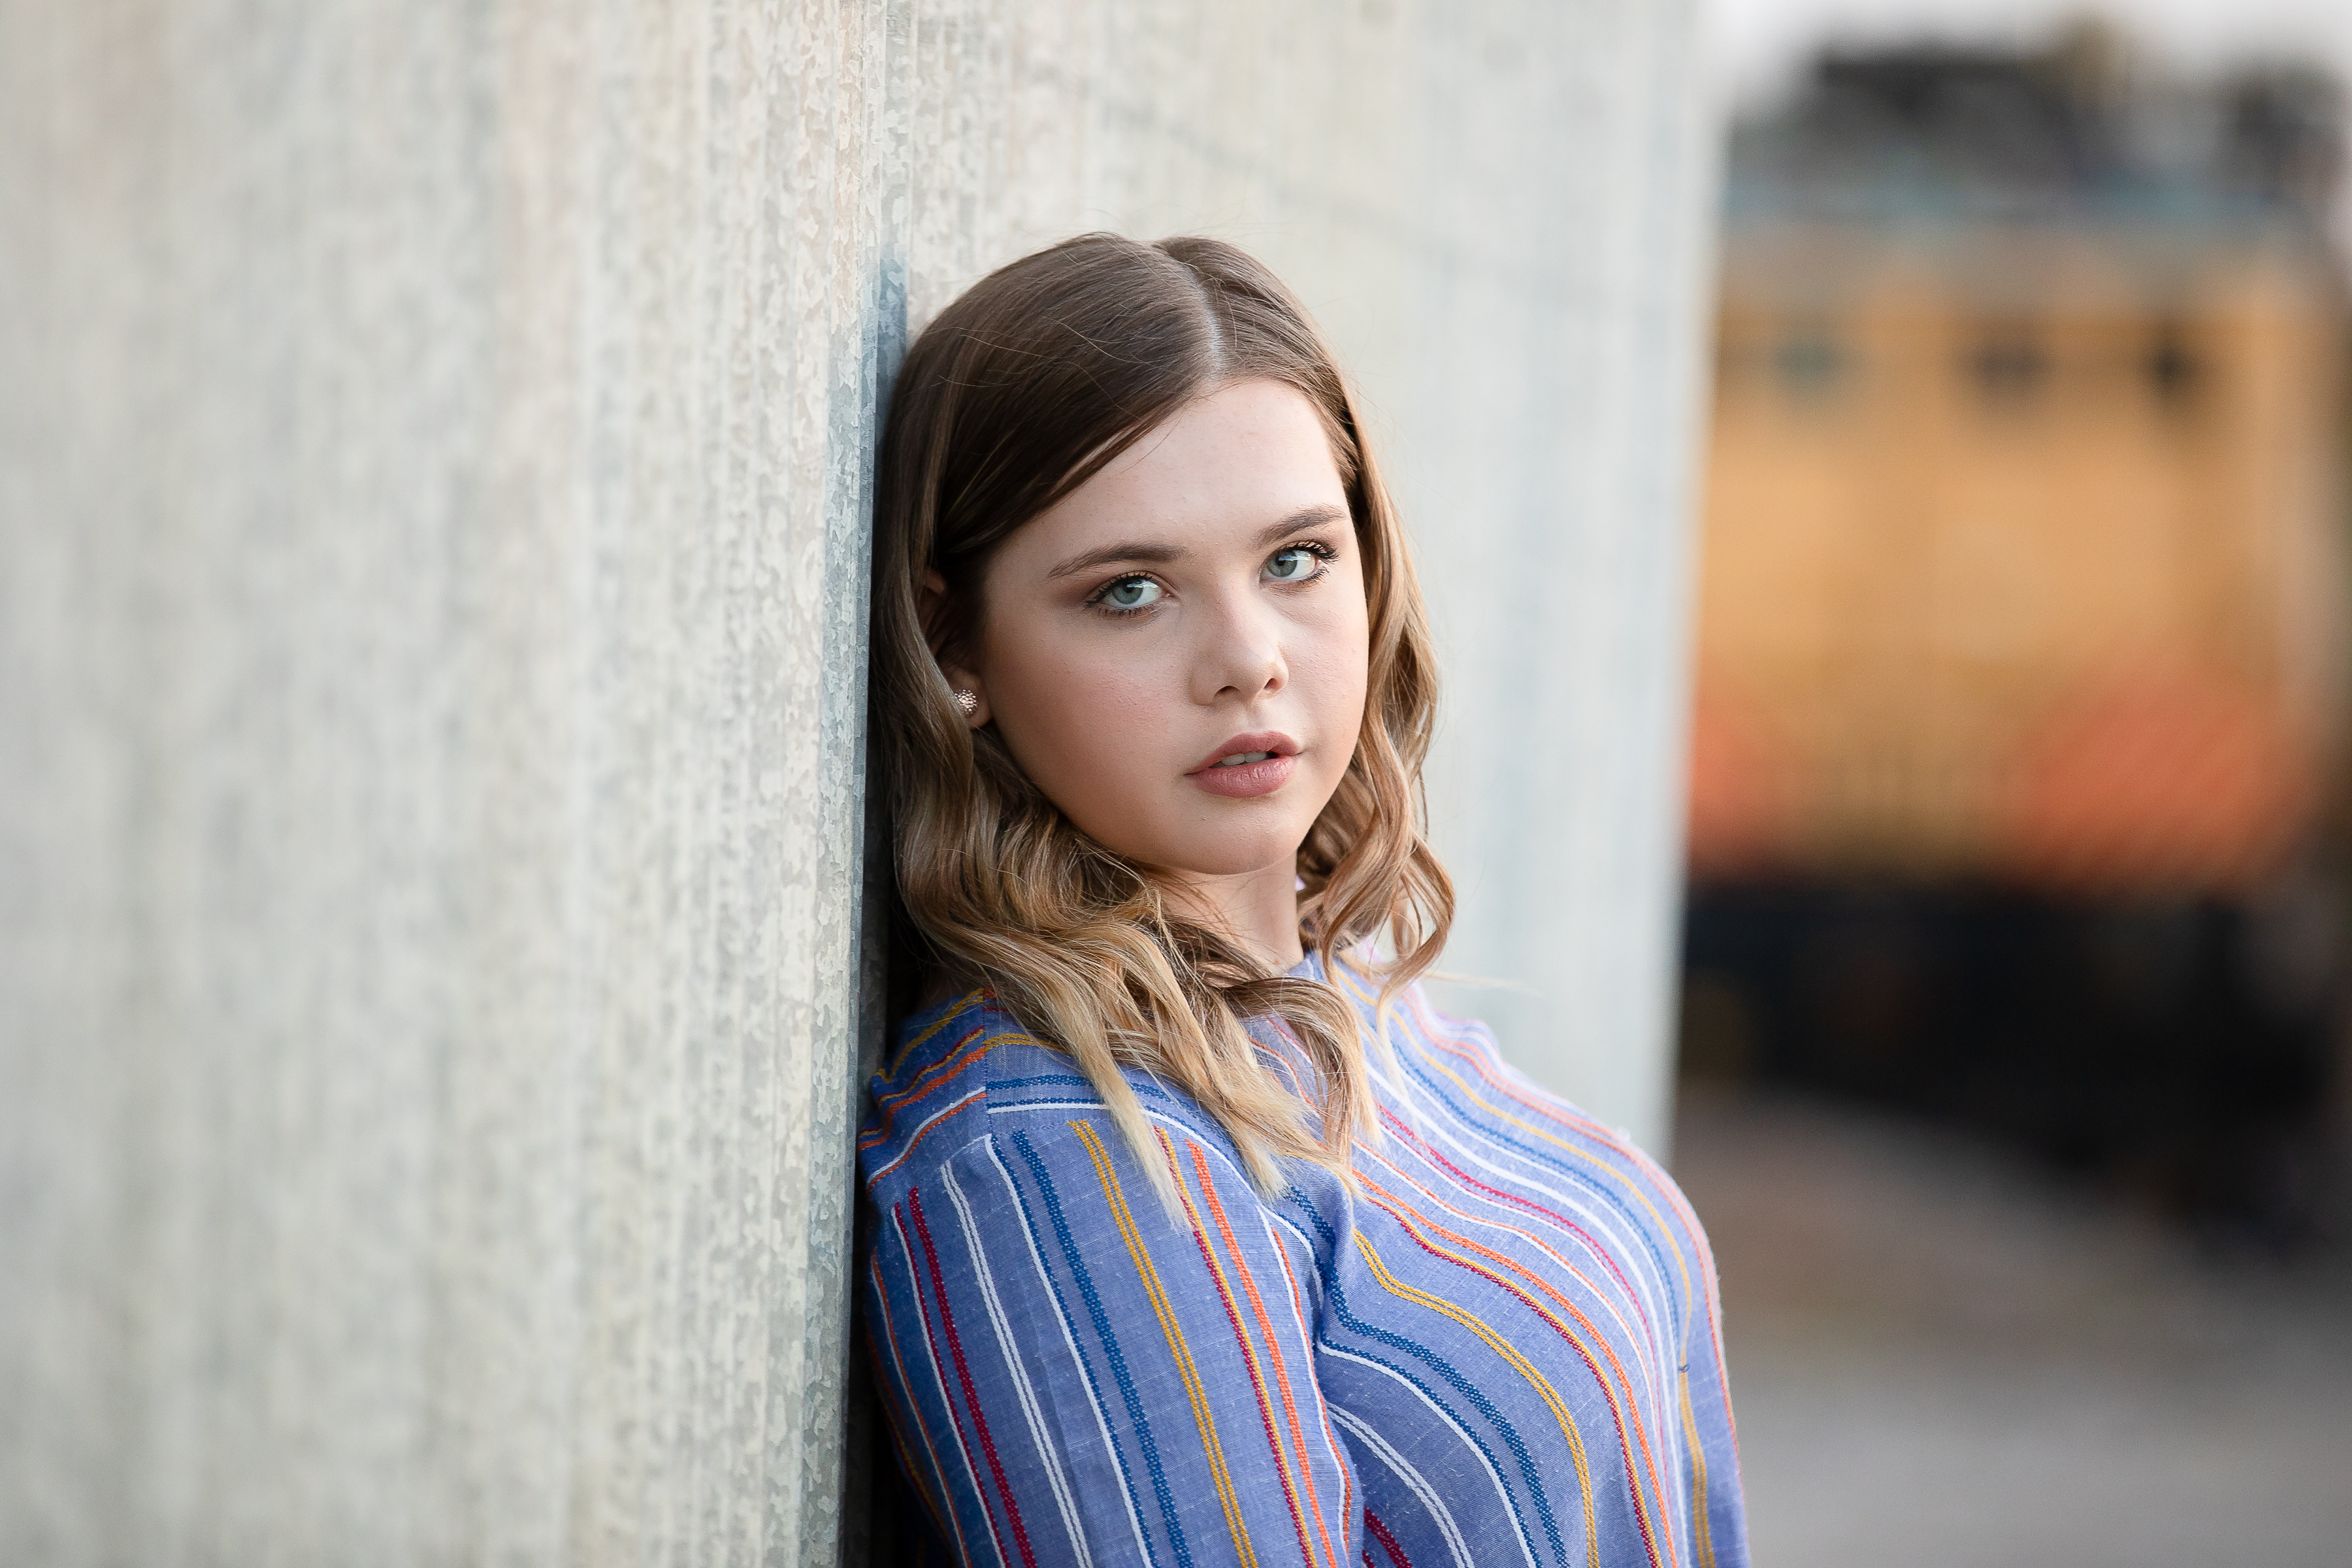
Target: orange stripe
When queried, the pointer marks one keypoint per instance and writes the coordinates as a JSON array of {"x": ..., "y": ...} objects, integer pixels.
[
  {"x": 961, "y": 1004},
  {"x": 1519, "y": 1363},
  {"x": 1438, "y": 1201},
  {"x": 1203, "y": 1413},
  {"x": 1413, "y": 1221},
  {"x": 976, "y": 1043},
  {"x": 1274, "y": 1349},
  {"x": 1241, "y": 1337},
  {"x": 1330, "y": 1438},
  {"x": 1688, "y": 1226},
  {"x": 1681, "y": 1264},
  {"x": 939, "y": 1075},
  {"x": 1691, "y": 1232},
  {"x": 921, "y": 1133}
]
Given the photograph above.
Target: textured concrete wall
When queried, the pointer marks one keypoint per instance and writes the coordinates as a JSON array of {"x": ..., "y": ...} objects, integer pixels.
[{"x": 433, "y": 451}]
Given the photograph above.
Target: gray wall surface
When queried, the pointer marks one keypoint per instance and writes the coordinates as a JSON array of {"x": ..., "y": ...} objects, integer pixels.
[{"x": 434, "y": 451}]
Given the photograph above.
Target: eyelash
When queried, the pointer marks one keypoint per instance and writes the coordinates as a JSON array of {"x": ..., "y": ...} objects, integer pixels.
[{"x": 1095, "y": 601}]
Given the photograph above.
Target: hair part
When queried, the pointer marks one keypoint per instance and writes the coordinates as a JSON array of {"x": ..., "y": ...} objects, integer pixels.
[{"x": 1019, "y": 392}]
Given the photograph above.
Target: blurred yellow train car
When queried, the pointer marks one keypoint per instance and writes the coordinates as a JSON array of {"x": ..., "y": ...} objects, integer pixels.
[
  {"x": 2022, "y": 555},
  {"x": 2021, "y": 667}
]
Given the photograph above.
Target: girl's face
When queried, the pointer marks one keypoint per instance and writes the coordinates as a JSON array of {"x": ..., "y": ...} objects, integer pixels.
[{"x": 1175, "y": 654}]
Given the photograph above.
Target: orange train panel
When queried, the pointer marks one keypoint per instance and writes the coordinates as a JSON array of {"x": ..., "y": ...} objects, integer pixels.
[{"x": 2022, "y": 556}]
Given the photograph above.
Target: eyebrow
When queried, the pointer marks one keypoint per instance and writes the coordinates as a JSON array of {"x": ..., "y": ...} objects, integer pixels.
[{"x": 1159, "y": 555}]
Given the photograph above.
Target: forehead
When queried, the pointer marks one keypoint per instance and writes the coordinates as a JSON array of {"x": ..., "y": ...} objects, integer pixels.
[{"x": 1226, "y": 464}]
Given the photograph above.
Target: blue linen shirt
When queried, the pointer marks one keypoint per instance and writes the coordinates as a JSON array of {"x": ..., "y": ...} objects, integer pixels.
[{"x": 1503, "y": 1348}]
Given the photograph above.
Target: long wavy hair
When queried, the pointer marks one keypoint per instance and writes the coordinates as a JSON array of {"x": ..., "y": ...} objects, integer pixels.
[{"x": 1019, "y": 392}]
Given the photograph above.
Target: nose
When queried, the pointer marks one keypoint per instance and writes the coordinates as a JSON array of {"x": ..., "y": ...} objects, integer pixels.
[{"x": 1237, "y": 653}]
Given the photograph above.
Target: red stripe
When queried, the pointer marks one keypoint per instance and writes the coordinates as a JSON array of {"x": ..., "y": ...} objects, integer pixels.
[
  {"x": 1379, "y": 1532},
  {"x": 940, "y": 1374},
  {"x": 928, "y": 1081},
  {"x": 970, "y": 1396},
  {"x": 1412, "y": 1139},
  {"x": 1273, "y": 1350},
  {"x": 915, "y": 1472},
  {"x": 895, "y": 1161},
  {"x": 1241, "y": 1337},
  {"x": 1330, "y": 1438},
  {"x": 1693, "y": 1232},
  {"x": 1567, "y": 1117},
  {"x": 1413, "y": 1222},
  {"x": 1559, "y": 1111}
]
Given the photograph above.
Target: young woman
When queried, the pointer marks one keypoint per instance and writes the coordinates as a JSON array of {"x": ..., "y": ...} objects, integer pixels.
[{"x": 1197, "y": 1237}]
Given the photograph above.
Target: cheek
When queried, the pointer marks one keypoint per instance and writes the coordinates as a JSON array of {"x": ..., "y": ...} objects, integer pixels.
[
  {"x": 1330, "y": 669},
  {"x": 1082, "y": 727}
]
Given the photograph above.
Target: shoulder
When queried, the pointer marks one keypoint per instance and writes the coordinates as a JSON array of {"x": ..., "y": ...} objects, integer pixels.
[
  {"x": 1455, "y": 1063},
  {"x": 967, "y": 1072},
  {"x": 931, "y": 1099}
]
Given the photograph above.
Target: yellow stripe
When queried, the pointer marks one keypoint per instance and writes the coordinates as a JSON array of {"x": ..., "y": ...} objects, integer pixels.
[
  {"x": 1665, "y": 1230},
  {"x": 1704, "y": 1541},
  {"x": 1264, "y": 1384},
  {"x": 1201, "y": 1415},
  {"x": 1655, "y": 1527},
  {"x": 1525, "y": 1368},
  {"x": 949, "y": 1016},
  {"x": 1699, "y": 1528},
  {"x": 1585, "y": 1155}
]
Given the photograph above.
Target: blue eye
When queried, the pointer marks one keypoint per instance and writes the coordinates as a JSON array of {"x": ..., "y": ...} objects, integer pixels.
[
  {"x": 1295, "y": 565},
  {"x": 1132, "y": 594}
]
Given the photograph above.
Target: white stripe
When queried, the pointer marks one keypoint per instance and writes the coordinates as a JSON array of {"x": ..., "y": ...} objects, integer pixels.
[
  {"x": 1613, "y": 1237},
  {"x": 1045, "y": 1445},
  {"x": 1510, "y": 1510},
  {"x": 901, "y": 1158},
  {"x": 1552, "y": 1181},
  {"x": 947, "y": 1491},
  {"x": 906, "y": 1391},
  {"x": 1193, "y": 1133},
  {"x": 1449, "y": 1132},
  {"x": 1425, "y": 1200},
  {"x": 1308, "y": 1347},
  {"x": 1290, "y": 1276},
  {"x": 1624, "y": 1237},
  {"x": 1420, "y": 1489},
  {"x": 1094, "y": 1399},
  {"x": 1300, "y": 1237}
]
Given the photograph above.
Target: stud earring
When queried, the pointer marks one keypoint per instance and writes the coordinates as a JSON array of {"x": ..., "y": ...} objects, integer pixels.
[{"x": 969, "y": 701}]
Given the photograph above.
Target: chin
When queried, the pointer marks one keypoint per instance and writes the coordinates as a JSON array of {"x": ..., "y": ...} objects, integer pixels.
[{"x": 1233, "y": 856}]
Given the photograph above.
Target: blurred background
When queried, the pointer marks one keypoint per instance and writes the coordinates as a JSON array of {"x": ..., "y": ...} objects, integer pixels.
[{"x": 2014, "y": 1029}]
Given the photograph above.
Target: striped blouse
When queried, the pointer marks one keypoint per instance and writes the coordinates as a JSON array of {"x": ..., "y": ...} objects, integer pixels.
[{"x": 1503, "y": 1349}]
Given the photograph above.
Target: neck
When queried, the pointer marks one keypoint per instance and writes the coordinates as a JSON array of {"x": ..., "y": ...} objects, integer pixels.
[{"x": 1257, "y": 910}]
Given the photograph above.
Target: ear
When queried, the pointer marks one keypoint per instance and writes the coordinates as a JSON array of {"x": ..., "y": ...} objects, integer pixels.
[{"x": 939, "y": 630}]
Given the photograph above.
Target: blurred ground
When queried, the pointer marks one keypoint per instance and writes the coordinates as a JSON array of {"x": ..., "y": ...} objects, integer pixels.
[{"x": 1942, "y": 1354}]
